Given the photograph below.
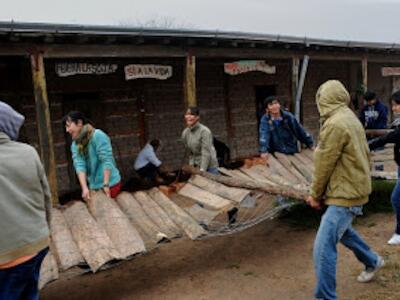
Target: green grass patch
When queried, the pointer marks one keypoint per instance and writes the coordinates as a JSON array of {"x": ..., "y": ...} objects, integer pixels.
[{"x": 302, "y": 216}]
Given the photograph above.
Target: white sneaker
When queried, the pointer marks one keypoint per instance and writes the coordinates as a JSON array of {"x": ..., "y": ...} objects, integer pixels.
[
  {"x": 367, "y": 275},
  {"x": 394, "y": 240}
]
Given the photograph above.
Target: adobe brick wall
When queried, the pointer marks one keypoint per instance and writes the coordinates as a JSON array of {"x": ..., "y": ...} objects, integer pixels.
[
  {"x": 318, "y": 72},
  {"x": 242, "y": 99}
]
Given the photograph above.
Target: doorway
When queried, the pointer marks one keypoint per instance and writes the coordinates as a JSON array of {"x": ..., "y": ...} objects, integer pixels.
[{"x": 262, "y": 92}]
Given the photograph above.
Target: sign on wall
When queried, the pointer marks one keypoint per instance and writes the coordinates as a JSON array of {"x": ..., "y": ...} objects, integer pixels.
[
  {"x": 148, "y": 71},
  {"x": 69, "y": 69},
  {"x": 390, "y": 71},
  {"x": 245, "y": 66}
]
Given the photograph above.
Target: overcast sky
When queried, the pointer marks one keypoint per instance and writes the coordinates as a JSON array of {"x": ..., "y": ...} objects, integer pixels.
[{"x": 363, "y": 20}]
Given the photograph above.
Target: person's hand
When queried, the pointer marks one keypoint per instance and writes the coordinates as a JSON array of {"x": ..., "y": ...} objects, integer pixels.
[
  {"x": 85, "y": 194},
  {"x": 313, "y": 203},
  {"x": 264, "y": 155},
  {"x": 107, "y": 191}
]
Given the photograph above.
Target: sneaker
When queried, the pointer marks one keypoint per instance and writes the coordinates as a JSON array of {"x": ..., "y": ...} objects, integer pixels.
[
  {"x": 367, "y": 275},
  {"x": 394, "y": 240}
]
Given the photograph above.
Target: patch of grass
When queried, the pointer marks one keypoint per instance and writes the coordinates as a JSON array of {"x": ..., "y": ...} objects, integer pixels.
[
  {"x": 249, "y": 274},
  {"x": 379, "y": 200},
  {"x": 233, "y": 266}
]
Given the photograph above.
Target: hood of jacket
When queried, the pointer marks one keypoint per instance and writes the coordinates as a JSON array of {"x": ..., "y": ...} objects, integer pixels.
[{"x": 331, "y": 96}]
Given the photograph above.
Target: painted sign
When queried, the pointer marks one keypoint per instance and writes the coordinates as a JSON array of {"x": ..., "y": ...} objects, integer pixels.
[
  {"x": 69, "y": 69},
  {"x": 390, "y": 71},
  {"x": 148, "y": 71},
  {"x": 244, "y": 66}
]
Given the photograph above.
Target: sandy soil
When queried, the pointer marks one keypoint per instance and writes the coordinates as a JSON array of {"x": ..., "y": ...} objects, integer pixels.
[{"x": 269, "y": 261}]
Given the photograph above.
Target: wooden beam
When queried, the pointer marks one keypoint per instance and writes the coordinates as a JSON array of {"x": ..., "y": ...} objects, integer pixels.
[
  {"x": 190, "y": 81},
  {"x": 295, "y": 80},
  {"x": 364, "y": 70},
  {"x": 300, "y": 86},
  {"x": 44, "y": 122}
]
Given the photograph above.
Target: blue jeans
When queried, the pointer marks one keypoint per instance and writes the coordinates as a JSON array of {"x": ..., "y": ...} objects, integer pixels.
[
  {"x": 395, "y": 198},
  {"x": 336, "y": 227},
  {"x": 21, "y": 282}
]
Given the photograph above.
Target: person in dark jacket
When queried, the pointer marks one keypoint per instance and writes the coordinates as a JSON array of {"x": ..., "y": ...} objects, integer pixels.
[
  {"x": 393, "y": 137},
  {"x": 374, "y": 114},
  {"x": 280, "y": 131}
]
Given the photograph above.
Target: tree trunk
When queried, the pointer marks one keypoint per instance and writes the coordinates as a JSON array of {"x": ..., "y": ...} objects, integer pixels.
[
  {"x": 65, "y": 249},
  {"x": 253, "y": 185},
  {"x": 117, "y": 225},
  {"x": 177, "y": 214},
  {"x": 158, "y": 215},
  {"x": 204, "y": 197},
  {"x": 147, "y": 229},
  {"x": 230, "y": 193},
  {"x": 92, "y": 240}
]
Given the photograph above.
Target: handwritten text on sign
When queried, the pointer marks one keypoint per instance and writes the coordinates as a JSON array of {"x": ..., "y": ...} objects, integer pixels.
[
  {"x": 390, "y": 71},
  {"x": 244, "y": 66},
  {"x": 148, "y": 71},
  {"x": 69, "y": 69}
]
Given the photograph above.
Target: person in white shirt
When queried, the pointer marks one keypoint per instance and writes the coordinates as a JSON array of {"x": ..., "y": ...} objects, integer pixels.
[{"x": 147, "y": 164}]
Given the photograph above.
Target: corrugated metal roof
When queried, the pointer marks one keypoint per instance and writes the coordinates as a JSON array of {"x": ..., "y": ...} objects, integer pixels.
[{"x": 37, "y": 29}]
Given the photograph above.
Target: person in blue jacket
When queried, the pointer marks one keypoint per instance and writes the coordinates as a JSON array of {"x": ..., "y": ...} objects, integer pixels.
[
  {"x": 280, "y": 131},
  {"x": 92, "y": 155},
  {"x": 374, "y": 115}
]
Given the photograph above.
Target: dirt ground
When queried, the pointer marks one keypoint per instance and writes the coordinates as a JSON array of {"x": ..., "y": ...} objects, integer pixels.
[{"x": 272, "y": 260}]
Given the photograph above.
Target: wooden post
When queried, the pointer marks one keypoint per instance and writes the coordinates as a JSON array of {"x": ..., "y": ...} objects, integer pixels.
[
  {"x": 44, "y": 123},
  {"x": 295, "y": 80},
  {"x": 190, "y": 81},
  {"x": 364, "y": 70},
  {"x": 299, "y": 90}
]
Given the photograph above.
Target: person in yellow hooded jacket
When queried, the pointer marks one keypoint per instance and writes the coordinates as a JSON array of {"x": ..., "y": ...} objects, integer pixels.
[{"x": 342, "y": 182}]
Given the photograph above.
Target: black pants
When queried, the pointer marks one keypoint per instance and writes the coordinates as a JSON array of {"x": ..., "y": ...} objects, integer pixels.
[{"x": 149, "y": 171}]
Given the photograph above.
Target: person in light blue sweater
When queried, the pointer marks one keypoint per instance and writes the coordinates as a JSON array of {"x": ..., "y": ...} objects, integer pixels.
[{"x": 92, "y": 155}]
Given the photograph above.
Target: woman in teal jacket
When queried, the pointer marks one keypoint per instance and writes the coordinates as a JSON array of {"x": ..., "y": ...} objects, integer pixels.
[{"x": 92, "y": 156}]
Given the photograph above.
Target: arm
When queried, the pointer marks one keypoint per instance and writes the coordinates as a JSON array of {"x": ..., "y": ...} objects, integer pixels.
[
  {"x": 332, "y": 140},
  {"x": 81, "y": 170},
  {"x": 104, "y": 152},
  {"x": 206, "y": 149},
  {"x": 151, "y": 156},
  {"x": 391, "y": 137},
  {"x": 264, "y": 136},
  {"x": 302, "y": 135}
]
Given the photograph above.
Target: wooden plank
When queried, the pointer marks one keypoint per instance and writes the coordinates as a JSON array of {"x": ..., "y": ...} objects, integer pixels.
[
  {"x": 201, "y": 214},
  {"x": 190, "y": 81},
  {"x": 309, "y": 153},
  {"x": 147, "y": 229},
  {"x": 65, "y": 249},
  {"x": 117, "y": 225},
  {"x": 364, "y": 71},
  {"x": 285, "y": 161},
  {"x": 256, "y": 176},
  {"x": 241, "y": 175},
  {"x": 279, "y": 180},
  {"x": 295, "y": 79},
  {"x": 178, "y": 215},
  {"x": 158, "y": 215},
  {"x": 48, "y": 270},
  {"x": 233, "y": 194},
  {"x": 285, "y": 173},
  {"x": 204, "y": 197},
  {"x": 251, "y": 184},
  {"x": 92, "y": 240},
  {"x": 305, "y": 160},
  {"x": 43, "y": 120},
  {"x": 299, "y": 166},
  {"x": 384, "y": 175}
]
